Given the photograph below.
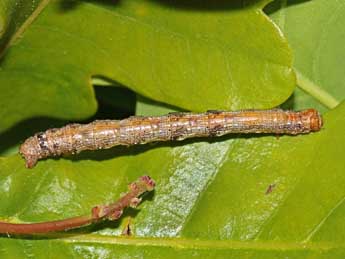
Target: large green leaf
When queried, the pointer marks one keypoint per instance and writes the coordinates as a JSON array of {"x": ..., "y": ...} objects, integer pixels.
[
  {"x": 172, "y": 52},
  {"x": 212, "y": 198},
  {"x": 314, "y": 30},
  {"x": 206, "y": 192}
]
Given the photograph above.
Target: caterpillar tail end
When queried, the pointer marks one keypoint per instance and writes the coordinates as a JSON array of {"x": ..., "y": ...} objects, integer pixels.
[
  {"x": 314, "y": 118},
  {"x": 28, "y": 152}
]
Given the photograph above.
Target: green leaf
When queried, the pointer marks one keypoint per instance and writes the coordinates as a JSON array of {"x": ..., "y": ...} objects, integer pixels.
[
  {"x": 314, "y": 30},
  {"x": 230, "y": 197},
  {"x": 213, "y": 56},
  {"x": 205, "y": 191},
  {"x": 15, "y": 16}
]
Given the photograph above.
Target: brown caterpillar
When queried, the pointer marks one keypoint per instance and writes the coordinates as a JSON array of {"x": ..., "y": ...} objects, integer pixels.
[{"x": 103, "y": 134}]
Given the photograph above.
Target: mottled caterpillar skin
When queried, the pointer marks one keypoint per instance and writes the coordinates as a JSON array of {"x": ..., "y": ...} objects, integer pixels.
[{"x": 103, "y": 134}]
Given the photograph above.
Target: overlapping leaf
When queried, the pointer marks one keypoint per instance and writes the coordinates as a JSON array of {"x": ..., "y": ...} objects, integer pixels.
[
  {"x": 231, "y": 197},
  {"x": 190, "y": 55},
  {"x": 314, "y": 31},
  {"x": 13, "y": 15}
]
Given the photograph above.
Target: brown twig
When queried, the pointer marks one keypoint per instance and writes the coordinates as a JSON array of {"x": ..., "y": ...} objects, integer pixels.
[{"x": 98, "y": 213}]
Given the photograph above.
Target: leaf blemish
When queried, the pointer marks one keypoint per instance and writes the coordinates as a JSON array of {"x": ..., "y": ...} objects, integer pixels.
[
  {"x": 270, "y": 188},
  {"x": 127, "y": 230}
]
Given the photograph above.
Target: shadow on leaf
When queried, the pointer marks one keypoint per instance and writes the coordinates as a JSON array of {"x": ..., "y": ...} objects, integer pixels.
[{"x": 276, "y": 5}]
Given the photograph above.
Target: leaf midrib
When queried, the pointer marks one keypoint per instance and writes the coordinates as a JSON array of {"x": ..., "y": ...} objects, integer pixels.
[
  {"x": 303, "y": 82},
  {"x": 183, "y": 243},
  {"x": 316, "y": 91},
  {"x": 25, "y": 25}
]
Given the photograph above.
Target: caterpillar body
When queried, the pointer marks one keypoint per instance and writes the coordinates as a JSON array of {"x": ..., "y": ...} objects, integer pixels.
[{"x": 102, "y": 134}]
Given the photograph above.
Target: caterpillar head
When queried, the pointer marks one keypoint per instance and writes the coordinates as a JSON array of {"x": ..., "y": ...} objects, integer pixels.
[{"x": 30, "y": 151}]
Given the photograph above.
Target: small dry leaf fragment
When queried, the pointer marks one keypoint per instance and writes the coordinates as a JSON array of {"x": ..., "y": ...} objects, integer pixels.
[
  {"x": 103, "y": 134},
  {"x": 127, "y": 230},
  {"x": 270, "y": 188}
]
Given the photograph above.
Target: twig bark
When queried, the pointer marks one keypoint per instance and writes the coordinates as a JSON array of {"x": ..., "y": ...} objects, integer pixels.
[{"x": 98, "y": 213}]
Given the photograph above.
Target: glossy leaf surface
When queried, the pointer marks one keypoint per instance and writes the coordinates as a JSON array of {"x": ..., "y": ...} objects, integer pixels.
[
  {"x": 172, "y": 52},
  {"x": 231, "y": 197}
]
